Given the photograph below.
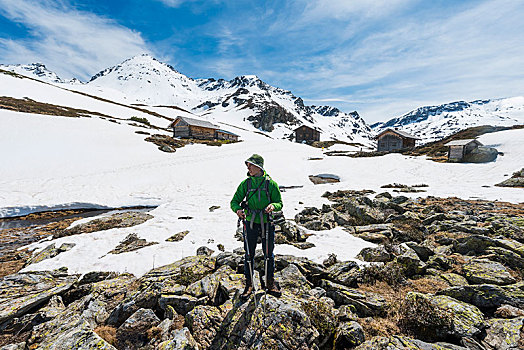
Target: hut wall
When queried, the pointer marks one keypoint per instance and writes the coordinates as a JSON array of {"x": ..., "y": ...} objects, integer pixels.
[
  {"x": 306, "y": 134},
  {"x": 202, "y": 133},
  {"x": 456, "y": 152},
  {"x": 181, "y": 131},
  {"x": 389, "y": 142}
]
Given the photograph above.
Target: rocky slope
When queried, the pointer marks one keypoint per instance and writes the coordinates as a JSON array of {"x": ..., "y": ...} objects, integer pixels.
[
  {"x": 446, "y": 274},
  {"x": 432, "y": 123}
]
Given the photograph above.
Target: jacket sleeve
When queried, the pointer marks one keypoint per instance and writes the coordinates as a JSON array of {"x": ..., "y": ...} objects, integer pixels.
[
  {"x": 276, "y": 197},
  {"x": 239, "y": 196}
]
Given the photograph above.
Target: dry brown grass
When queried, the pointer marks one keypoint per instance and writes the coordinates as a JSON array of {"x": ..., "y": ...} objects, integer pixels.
[
  {"x": 390, "y": 324},
  {"x": 107, "y": 333}
]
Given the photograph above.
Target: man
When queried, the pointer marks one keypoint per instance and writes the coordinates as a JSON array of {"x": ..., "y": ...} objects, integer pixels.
[{"x": 256, "y": 197}]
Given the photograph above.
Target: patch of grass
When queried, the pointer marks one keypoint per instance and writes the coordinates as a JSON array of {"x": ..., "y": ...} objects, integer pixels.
[
  {"x": 140, "y": 120},
  {"x": 26, "y": 105},
  {"x": 107, "y": 333}
]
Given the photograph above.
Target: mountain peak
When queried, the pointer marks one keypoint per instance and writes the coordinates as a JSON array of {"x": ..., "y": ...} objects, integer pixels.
[{"x": 32, "y": 70}]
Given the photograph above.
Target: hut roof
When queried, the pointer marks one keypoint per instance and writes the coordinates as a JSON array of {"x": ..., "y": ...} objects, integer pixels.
[
  {"x": 227, "y": 132},
  {"x": 196, "y": 122},
  {"x": 463, "y": 142},
  {"x": 400, "y": 133},
  {"x": 309, "y": 127}
]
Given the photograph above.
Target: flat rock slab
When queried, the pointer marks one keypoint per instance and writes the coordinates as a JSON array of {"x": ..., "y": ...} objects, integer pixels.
[
  {"x": 324, "y": 178},
  {"x": 118, "y": 220},
  {"x": 483, "y": 271},
  {"x": 21, "y": 292}
]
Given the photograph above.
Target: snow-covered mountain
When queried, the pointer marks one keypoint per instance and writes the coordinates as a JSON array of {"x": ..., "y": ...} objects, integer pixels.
[
  {"x": 245, "y": 101},
  {"x": 38, "y": 71},
  {"x": 432, "y": 123}
]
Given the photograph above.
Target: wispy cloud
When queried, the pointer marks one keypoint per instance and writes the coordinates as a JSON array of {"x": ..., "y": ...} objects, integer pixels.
[{"x": 74, "y": 43}]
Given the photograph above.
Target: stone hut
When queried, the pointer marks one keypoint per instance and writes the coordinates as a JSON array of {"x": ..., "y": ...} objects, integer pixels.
[
  {"x": 306, "y": 133},
  {"x": 459, "y": 149},
  {"x": 226, "y": 135},
  {"x": 393, "y": 139},
  {"x": 193, "y": 128}
]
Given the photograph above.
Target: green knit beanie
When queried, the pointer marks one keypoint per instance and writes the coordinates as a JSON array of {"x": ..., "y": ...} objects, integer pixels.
[{"x": 256, "y": 160}]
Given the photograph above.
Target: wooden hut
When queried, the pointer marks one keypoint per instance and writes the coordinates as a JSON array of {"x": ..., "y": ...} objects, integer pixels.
[
  {"x": 193, "y": 128},
  {"x": 306, "y": 133},
  {"x": 392, "y": 139},
  {"x": 459, "y": 148},
  {"x": 226, "y": 135}
]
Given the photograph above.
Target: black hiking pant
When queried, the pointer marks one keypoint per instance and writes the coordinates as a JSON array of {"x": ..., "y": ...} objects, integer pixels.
[{"x": 252, "y": 234}]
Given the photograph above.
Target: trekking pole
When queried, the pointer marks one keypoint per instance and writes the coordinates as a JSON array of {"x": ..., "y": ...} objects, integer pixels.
[
  {"x": 266, "y": 257},
  {"x": 244, "y": 233}
]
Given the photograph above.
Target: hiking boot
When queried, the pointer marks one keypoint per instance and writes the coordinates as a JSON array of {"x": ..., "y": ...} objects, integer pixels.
[
  {"x": 247, "y": 292},
  {"x": 272, "y": 289}
]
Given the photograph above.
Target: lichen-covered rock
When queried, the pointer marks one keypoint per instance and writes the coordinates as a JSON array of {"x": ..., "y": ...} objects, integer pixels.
[
  {"x": 506, "y": 257},
  {"x": 398, "y": 342},
  {"x": 118, "y": 220},
  {"x": 184, "y": 271},
  {"x": 503, "y": 334},
  {"x": 508, "y": 311},
  {"x": 365, "y": 303},
  {"x": 181, "y": 340},
  {"x": 291, "y": 279},
  {"x": 133, "y": 332},
  {"x": 461, "y": 319},
  {"x": 22, "y": 292},
  {"x": 130, "y": 243},
  {"x": 483, "y": 271},
  {"x": 374, "y": 254},
  {"x": 488, "y": 296},
  {"x": 348, "y": 335},
  {"x": 177, "y": 237},
  {"x": 344, "y": 272},
  {"x": 424, "y": 252},
  {"x": 454, "y": 279},
  {"x": 411, "y": 263},
  {"x": 49, "y": 252},
  {"x": 362, "y": 213},
  {"x": 209, "y": 286}
]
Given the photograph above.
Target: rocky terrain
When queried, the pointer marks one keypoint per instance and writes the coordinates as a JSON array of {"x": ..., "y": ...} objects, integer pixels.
[{"x": 445, "y": 274}]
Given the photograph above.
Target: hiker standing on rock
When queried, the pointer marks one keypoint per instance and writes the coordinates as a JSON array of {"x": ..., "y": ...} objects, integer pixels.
[{"x": 256, "y": 197}]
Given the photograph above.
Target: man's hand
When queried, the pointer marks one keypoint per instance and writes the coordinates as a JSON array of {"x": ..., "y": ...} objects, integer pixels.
[
  {"x": 270, "y": 208},
  {"x": 241, "y": 214}
]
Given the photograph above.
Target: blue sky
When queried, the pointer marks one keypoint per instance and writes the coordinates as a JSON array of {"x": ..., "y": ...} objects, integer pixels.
[{"x": 379, "y": 57}]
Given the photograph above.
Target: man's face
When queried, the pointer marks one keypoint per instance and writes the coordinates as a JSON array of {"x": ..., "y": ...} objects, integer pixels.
[{"x": 253, "y": 170}]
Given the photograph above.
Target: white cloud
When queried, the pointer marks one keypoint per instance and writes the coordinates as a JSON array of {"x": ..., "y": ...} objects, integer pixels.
[{"x": 71, "y": 42}]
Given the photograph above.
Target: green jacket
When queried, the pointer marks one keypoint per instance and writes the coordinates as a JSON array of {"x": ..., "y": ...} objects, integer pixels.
[{"x": 254, "y": 203}]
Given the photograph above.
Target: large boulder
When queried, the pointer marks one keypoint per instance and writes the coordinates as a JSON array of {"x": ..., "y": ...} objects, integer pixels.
[
  {"x": 243, "y": 325},
  {"x": 184, "y": 271},
  {"x": 22, "y": 292},
  {"x": 502, "y": 334},
  {"x": 488, "y": 296},
  {"x": 365, "y": 303},
  {"x": 437, "y": 317},
  {"x": 374, "y": 254},
  {"x": 180, "y": 340},
  {"x": 399, "y": 342},
  {"x": 483, "y": 271},
  {"x": 133, "y": 332},
  {"x": 348, "y": 335},
  {"x": 481, "y": 155}
]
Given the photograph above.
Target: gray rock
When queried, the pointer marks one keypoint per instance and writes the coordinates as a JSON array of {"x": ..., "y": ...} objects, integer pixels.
[
  {"x": 458, "y": 319},
  {"x": 133, "y": 332},
  {"x": 348, "y": 335},
  {"x": 365, "y": 303},
  {"x": 481, "y": 155},
  {"x": 483, "y": 271},
  {"x": 399, "y": 342},
  {"x": 182, "y": 304},
  {"x": 49, "y": 252},
  {"x": 502, "y": 334},
  {"x": 177, "y": 237},
  {"x": 181, "y": 340},
  {"x": 131, "y": 243},
  {"x": 17, "y": 346},
  {"x": 204, "y": 251},
  {"x": 344, "y": 272},
  {"x": 411, "y": 263},
  {"x": 374, "y": 254},
  {"x": 292, "y": 279},
  {"x": 454, "y": 279},
  {"x": 508, "y": 311},
  {"x": 118, "y": 220},
  {"x": 22, "y": 292},
  {"x": 423, "y": 251},
  {"x": 364, "y": 214},
  {"x": 488, "y": 296}
]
